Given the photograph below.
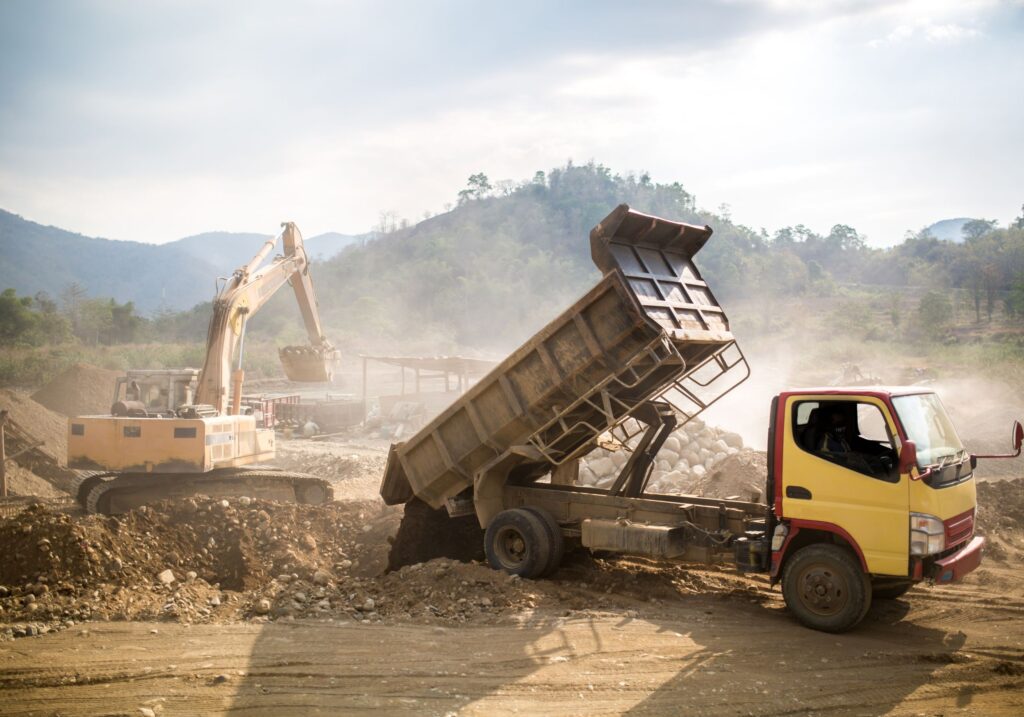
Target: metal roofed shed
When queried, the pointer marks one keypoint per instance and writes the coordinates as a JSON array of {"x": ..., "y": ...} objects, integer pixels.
[{"x": 649, "y": 328}]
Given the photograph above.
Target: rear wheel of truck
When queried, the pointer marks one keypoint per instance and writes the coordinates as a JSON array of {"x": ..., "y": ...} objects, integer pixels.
[
  {"x": 555, "y": 537},
  {"x": 517, "y": 542},
  {"x": 891, "y": 590},
  {"x": 825, "y": 588}
]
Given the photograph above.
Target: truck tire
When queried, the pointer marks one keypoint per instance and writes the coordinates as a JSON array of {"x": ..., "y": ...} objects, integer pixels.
[
  {"x": 517, "y": 542},
  {"x": 890, "y": 591},
  {"x": 554, "y": 537},
  {"x": 825, "y": 588}
]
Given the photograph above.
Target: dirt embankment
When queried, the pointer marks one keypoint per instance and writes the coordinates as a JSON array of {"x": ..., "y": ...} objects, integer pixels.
[
  {"x": 81, "y": 390},
  {"x": 36, "y": 442}
]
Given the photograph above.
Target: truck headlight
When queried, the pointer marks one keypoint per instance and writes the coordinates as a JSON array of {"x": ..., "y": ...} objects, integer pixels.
[{"x": 927, "y": 534}]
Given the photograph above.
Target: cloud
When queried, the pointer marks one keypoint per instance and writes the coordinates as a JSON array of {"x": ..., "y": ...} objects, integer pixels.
[{"x": 154, "y": 121}]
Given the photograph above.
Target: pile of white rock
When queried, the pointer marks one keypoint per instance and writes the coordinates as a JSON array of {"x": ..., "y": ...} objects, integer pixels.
[{"x": 689, "y": 455}]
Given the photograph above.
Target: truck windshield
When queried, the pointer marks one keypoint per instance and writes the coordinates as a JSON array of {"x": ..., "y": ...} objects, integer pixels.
[{"x": 928, "y": 426}]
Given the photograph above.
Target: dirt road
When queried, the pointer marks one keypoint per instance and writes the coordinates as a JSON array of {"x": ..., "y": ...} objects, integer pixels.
[{"x": 942, "y": 651}]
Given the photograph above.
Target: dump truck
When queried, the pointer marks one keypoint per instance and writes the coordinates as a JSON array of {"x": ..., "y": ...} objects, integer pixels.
[
  {"x": 173, "y": 433},
  {"x": 647, "y": 349}
]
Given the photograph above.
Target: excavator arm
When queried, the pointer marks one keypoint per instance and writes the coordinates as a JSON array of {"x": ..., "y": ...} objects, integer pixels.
[{"x": 248, "y": 289}]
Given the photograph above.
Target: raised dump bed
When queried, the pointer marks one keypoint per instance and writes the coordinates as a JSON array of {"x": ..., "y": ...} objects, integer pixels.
[{"x": 650, "y": 328}]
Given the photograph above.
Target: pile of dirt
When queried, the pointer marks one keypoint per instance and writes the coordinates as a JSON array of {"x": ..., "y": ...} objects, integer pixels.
[
  {"x": 37, "y": 423},
  {"x": 81, "y": 390},
  {"x": 425, "y": 534},
  {"x": 36, "y": 439},
  {"x": 206, "y": 560},
  {"x": 1000, "y": 506},
  {"x": 168, "y": 560},
  {"x": 23, "y": 482},
  {"x": 328, "y": 464}
]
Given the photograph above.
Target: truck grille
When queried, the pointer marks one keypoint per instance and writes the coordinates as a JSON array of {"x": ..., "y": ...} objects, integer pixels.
[{"x": 959, "y": 528}]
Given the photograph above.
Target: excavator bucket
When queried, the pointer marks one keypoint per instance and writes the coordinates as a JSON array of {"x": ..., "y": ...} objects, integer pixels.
[{"x": 308, "y": 364}]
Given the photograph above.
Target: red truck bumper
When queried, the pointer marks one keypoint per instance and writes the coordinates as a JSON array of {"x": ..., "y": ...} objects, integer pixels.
[{"x": 963, "y": 561}]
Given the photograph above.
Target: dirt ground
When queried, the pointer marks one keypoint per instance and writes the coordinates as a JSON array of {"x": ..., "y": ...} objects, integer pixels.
[{"x": 283, "y": 610}]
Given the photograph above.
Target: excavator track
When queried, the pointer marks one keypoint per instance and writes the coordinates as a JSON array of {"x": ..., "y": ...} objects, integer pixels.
[{"x": 111, "y": 494}]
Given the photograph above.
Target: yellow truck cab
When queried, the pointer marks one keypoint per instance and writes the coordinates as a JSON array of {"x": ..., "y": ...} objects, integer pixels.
[{"x": 871, "y": 491}]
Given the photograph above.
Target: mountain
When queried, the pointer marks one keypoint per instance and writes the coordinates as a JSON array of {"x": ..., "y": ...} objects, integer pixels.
[
  {"x": 227, "y": 251},
  {"x": 177, "y": 275},
  {"x": 36, "y": 258},
  {"x": 949, "y": 229}
]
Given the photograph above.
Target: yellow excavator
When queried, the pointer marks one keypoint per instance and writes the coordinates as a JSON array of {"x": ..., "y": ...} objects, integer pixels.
[{"x": 174, "y": 433}]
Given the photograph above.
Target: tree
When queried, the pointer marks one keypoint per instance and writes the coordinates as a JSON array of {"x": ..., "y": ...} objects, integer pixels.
[
  {"x": 1015, "y": 301},
  {"x": 16, "y": 320},
  {"x": 71, "y": 299},
  {"x": 24, "y": 320},
  {"x": 977, "y": 228},
  {"x": 935, "y": 313},
  {"x": 1018, "y": 223},
  {"x": 477, "y": 187}
]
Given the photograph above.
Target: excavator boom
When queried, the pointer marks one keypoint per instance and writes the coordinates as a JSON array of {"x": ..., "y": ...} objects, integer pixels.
[{"x": 248, "y": 289}]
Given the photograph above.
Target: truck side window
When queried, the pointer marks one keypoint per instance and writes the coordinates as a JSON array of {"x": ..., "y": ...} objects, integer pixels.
[{"x": 852, "y": 434}]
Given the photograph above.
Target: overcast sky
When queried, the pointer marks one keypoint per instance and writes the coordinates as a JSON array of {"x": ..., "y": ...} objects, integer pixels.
[{"x": 156, "y": 120}]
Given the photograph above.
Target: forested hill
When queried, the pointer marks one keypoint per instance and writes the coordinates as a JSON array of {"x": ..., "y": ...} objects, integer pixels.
[
  {"x": 504, "y": 261},
  {"x": 487, "y": 273},
  {"x": 174, "y": 276}
]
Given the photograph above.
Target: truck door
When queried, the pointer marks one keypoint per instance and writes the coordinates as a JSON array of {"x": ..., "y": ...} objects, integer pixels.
[{"x": 839, "y": 470}]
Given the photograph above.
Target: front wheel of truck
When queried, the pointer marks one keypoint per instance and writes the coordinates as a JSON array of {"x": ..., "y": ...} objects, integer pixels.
[
  {"x": 825, "y": 588},
  {"x": 517, "y": 542}
]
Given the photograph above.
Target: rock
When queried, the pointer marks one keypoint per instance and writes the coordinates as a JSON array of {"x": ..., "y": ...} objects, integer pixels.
[
  {"x": 263, "y": 607},
  {"x": 284, "y": 578},
  {"x": 224, "y": 504},
  {"x": 698, "y": 471},
  {"x": 668, "y": 455},
  {"x": 308, "y": 542},
  {"x": 672, "y": 444},
  {"x": 147, "y": 712},
  {"x": 586, "y": 477},
  {"x": 215, "y": 601},
  {"x": 245, "y": 501},
  {"x": 719, "y": 446},
  {"x": 300, "y": 597},
  {"x": 191, "y": 575},
  {"x": 368, "y": 606},
  {"x": 166, "y": 577},
  {"x": 733, "y": 440},
  {"x": 322, "y": 577},
  {"x": 601, "y": 467},
  {"x": 486, "y": 602},
  {"x": 221, "y": 679}
]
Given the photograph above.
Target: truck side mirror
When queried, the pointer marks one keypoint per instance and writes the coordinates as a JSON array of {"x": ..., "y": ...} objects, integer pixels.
[
  {"x": 1016, "y": 437},
  {"x": 908, "y": 457}
]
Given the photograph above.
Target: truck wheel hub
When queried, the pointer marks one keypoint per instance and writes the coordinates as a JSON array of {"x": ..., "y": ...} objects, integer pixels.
[
  {"x": 822, "y": 590},
  {"x": 512, "y": 546}
]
